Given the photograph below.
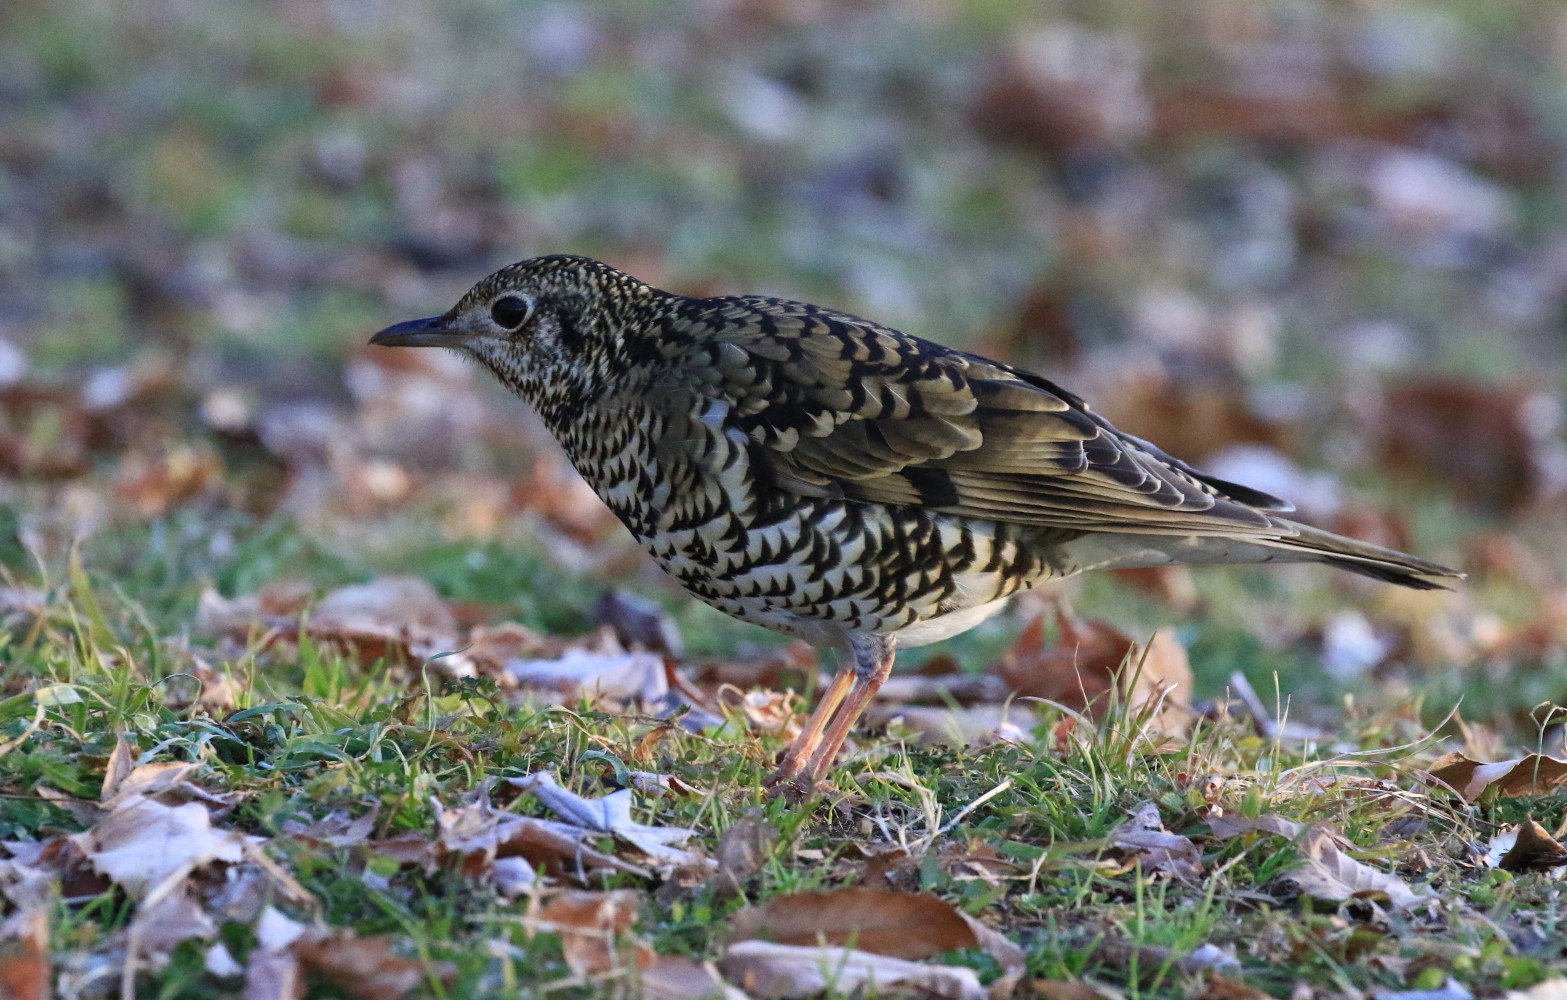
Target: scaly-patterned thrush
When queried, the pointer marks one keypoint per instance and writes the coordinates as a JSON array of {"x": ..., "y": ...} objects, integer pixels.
[{"x": 832, "y": 479}]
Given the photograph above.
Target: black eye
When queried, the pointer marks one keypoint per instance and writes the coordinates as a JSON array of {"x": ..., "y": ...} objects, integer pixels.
[{"x": 510, "y": 311}]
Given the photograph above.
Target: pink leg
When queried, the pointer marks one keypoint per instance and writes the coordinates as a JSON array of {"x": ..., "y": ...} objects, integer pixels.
[
  {"x": 804, "y": 746},
  {"x": 860, "y": 696},
  {"x": 812, "y": 753}
]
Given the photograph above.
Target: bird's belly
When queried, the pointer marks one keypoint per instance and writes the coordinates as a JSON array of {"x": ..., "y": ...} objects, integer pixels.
[{"x": 823, "y": 569}]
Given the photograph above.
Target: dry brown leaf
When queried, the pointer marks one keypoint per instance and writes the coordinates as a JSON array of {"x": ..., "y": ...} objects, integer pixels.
[
  {"x": 595, "y": 930},
  {"x": 1222, "y": 988},
  {"x": 360, "y": 966},
  {"x": 743, "y": 849},
  {"x": 1535, "y": 774},
  {"x": 155, "y": 481},
  {"x": 1061, "y": 88},
  {"x": 639, "y": 623},
  {"x": 898, "y": 924},
  {"x": 394, "y": 618},
  {"x": 1328, "y": 873},
  {"x": 24, "y": 956},
  {"x": 616, "y": 680},
  {"x": 478, "y": 835},
  {"x": 117, "y": 769},
  {"x": 171, "y": 920},
  {"x": 272, "y": 971},
  {"x": 142, "y": 843},
  {"x": 671, "y": 977},
  {"x": 1144, "y": 836},
  {"x": 407, "y": 848},
  {"x": 58, "y": 859},
  {"x": 764, "y": 969},
  {"x": 1226, "y": 826},
  {"x": 1528, "y": 848},
  {"x": 610, "y": 814},
  {"x": 1483, "y": 440},
  {"x": 1067, "y": 989},
  {"x": 152, "y": 779},
  {"x": 335, "y": 829},
  {"x": 1091, "y": 659},
  {"x": 43, "y": 432},
  {"x": 973, "y": 726}
]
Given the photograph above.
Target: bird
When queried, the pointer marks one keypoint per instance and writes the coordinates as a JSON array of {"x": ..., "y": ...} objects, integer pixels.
[{"x": 839, "y": 481}]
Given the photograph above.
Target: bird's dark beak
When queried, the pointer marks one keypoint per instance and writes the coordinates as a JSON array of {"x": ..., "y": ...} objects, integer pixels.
[{"x": 432, "y": 332}]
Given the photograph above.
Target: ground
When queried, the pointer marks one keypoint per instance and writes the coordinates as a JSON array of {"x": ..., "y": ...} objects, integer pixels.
[{"x": 324, "y": 676}]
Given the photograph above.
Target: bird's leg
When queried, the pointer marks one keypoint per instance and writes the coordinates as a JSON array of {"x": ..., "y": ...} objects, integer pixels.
[
  {"x": 804, "y": 746},
  {"x": 871, "y": 662}
]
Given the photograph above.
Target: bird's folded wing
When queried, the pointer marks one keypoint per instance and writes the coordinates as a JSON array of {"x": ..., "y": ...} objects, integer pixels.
[{"x": 843, "y": 407}]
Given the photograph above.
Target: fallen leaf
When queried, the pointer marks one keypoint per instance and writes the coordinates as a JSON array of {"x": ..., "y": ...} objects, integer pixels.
[
  {"x": 24, "y": 955},
  {"x": 1328, "y": 873},
  {"x": 1535, "y": 774},
  {"x": 973, "y": 726},
  {"x": 170, "y": 921},
  {"x": 117, "y": 769},
  {"x": 1144, "y": 836},
  {"x": 1527, "y": 848},
  {"x": 1222, "y": 988},
  {"x": 155, "y": 481},
  {"x": 764, "y": 969},
  {"x": 1090, "y": 660},
  {"x": 594, "y": 929},
  {"x": 1067, "y": 989},
  {"x": 396, "y": 617},
  {"x": 1064, "y": 88},
  {"x": 638, "y": 623},
  {"x": 1550, "y": 989},
  {"x": 671, "y": 977},
  {"x": 1223, "y": 827},
  {"x": 149, "y": 780},
  {"x": 335, "y": 829},
  {"x": 478, "y": 835},
  {"x": 1485, "y": 441},
  {"x": 1449, "y": 990},
  {"x": 286, "y": 950},
  {"x": 742, "y": 850},
  {"x": 617, "y": 679},
  {"x": 610, "y": 814},
  {"x": 360, "y": 966},
  {"x": 897, "y": 924},
  {"x": 142, "y": 843},
  {"x": 513, "y": 876},
  {"x": 272, "y": 971}
]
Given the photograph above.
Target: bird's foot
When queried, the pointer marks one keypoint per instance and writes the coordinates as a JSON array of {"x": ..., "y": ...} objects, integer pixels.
[{"x": 794, "y": 788}]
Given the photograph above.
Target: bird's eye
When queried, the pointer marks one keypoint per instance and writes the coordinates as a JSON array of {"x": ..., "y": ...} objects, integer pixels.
[{"x": 510, "y": 311}]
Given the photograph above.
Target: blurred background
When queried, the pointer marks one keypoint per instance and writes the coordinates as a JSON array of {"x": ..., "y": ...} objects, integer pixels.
[{"x": 1316, "y": 246}]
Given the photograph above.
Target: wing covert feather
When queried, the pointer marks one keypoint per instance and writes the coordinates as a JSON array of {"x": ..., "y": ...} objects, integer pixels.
[{"x": 840, "y": 406}]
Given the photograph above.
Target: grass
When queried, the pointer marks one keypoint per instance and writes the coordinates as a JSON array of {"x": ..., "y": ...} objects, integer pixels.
[{"x": 312, "y": 730}]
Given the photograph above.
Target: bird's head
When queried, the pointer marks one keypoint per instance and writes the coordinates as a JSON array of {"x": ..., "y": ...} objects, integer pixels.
[{"x": 551, "y": 328}]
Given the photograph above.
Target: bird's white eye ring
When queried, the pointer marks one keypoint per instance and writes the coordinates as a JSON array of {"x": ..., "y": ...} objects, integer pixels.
[{"x": 510, "y": 311}]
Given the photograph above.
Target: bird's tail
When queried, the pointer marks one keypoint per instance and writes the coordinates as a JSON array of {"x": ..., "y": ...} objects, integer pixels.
[
  {"x": 1294, "y": 542},
  {"x": 1310, "y": 544}
]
